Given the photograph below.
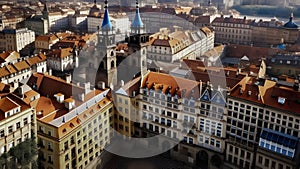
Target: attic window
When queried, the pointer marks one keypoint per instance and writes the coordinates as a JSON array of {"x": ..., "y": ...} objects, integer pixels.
[
  {"x": 71, "y": 125},
  {"x": 64, "y": 130},
  {"x": 281, "y": 100},
  {"x": 85, "y": 116}
]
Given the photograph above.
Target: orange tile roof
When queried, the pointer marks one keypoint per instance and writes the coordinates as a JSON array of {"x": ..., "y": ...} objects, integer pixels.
[
  {"x": 269, "y": 92},
  {"x": 170, "y": 84},
  {"x": 253, "y": 53},
  {"x": 6, "y": 104},
  {"x": 21, "y": 65},
  {"x": 51, "y": 85},
  {"x": 60, "y": 53},
  {"x": 36, "y": 59}
]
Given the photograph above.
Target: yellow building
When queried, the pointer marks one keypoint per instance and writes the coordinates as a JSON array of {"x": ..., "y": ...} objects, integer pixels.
[{"x": 73, "y": 122}]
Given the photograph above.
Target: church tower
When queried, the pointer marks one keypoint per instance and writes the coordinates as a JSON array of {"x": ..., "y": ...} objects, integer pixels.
[
  {"x": 138, "y": 42},
  {"x": 104, "y": 60}
]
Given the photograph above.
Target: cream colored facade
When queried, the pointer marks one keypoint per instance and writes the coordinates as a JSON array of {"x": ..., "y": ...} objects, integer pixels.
[
  {"x": 174, "y": 116},
  {"x": 73, "y": 130},
  {"x": 232, "y": 30},
  {"x": 15, "y": 39},
  {"x": 18, "y": 123},
  {"x": 178, "y": 45}
]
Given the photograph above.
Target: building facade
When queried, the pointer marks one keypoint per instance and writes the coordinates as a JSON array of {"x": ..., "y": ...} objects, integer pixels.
[
  {"x": 15, "y": 39},
  {"x": 18, "y": 122},
  {"x": 261, "y": 115},
  {"x": 73, "y": 130}
]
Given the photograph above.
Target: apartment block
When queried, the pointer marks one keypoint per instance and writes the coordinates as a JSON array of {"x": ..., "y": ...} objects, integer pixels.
[
  {"x": 262, "y": 124},
  {"x": 173, "y": 46},
  {"x": 233, "y": 30},
  {"x": 15, "y": 39},
  {"x": 16, "y": 69},
  {"x": 179, "y": 109},
  {"x": 73, "y": 122},
  {"x": 17, "y": 122}
]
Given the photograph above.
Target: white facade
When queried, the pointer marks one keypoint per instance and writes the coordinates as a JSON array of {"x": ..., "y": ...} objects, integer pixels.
[
  {"x": 16, "y": 39},
  {"x": 58, "y": 21},
  {"x": 21, "y": 69}
]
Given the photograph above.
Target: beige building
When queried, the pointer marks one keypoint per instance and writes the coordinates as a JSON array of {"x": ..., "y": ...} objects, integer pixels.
[
  {"x": 73, "y": 122},
  {"x": 17, "y": 122},
  {"x": 45, "y": 41},
  {"x": 15, "y": 39},
  {"x": 177, "y": 109},
  {"x": 174, "y": 46},
  {"x": 62, "y": 59},
  {"x": 233, "y": 30}
]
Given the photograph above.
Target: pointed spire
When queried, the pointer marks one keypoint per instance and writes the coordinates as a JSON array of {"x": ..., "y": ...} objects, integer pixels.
[
  {"x": 45, "y": 7},
  {"x": 95, "y": 2},
  {"x": 106, "y": 24},
  {"x": 137, "y": 22}
]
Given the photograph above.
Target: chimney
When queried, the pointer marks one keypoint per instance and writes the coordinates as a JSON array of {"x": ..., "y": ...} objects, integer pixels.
[
  {"x": 241, "y": 90},
  {"x": 122, "y": 83},
  {"x": 101, "y": 85},
  {"x": 87, "y": 87},
  {"x": 50, "y": 72},
  {"x": 81, "y": 97},
  {"x": 111, "y": 86},
  {"x": 69, "y": 103},
  {"x": 249, "y": 93},
  {"x": 68, "y": 78},
  {"x": 200, "y": 87},
  {"x": 59, "y": 97}
]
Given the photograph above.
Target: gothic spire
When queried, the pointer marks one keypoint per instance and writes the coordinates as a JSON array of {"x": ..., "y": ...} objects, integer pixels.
[{"x": 137, "y": 21}]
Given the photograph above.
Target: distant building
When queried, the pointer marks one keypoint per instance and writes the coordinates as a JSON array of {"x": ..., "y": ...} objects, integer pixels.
[
  {"x": 287, "y": 64},
  {"x": 38, "y": 24},
  {"x": 170, "y": 47},
  {"x": 45, "y": 41},
  {"x": 15, "y": 39},
  {"x": 233, "y": 30},
  {"x": 63, "y": 59},
  {"x": 18, "y": 69}
]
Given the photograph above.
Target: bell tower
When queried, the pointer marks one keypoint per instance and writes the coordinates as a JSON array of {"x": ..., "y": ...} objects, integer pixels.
[{"x": 104, "y": 61}]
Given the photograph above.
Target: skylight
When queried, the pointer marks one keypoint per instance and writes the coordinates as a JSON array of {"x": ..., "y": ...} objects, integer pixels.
[{"x": 281, "y": 100}]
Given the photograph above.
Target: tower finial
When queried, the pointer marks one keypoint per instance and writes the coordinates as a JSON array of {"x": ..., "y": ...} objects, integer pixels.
[
  {"x": 95, "y": 2},
  {"x": 137, "y": 23}
]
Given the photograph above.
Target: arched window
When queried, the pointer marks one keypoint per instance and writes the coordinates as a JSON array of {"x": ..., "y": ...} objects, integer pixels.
[
  {"x": 112, "y": 64},
  {"x": 112, "y": 53}
]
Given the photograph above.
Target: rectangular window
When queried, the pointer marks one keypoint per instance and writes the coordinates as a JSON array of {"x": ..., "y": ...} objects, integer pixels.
[{"x": 10, "y": 129}]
